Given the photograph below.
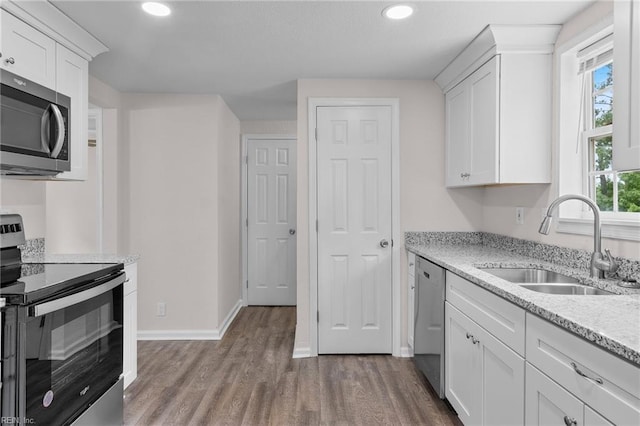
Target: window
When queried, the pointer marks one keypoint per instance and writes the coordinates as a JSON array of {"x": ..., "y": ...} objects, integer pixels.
[
  {"x": 585, "y": 143},
  {"x": 613, "y": 190}
]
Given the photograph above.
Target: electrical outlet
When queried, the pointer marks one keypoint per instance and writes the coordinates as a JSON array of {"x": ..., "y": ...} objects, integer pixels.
[
  {"x": 519, "y": 215},
  {"x": 162, "y": 309}
]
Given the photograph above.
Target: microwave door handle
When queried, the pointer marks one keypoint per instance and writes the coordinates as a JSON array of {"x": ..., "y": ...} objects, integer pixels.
[
  {"x": 61, "y": 131},
  {"x": 44, "y": 130},
  {"x": 73, "y": 299}
]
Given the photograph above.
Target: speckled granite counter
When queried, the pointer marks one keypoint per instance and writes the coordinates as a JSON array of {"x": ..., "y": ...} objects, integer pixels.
[
  {"x": 81, "y": 258},
  {"x": 612, "y": 322}
]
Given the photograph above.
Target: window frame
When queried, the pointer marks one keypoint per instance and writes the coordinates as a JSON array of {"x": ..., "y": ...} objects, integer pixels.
[{"x": 572, "y": 160}]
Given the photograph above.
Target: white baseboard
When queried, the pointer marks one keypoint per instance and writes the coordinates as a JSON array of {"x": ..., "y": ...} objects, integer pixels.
[
  {"x": 215, "y": 334},
  {"x": 229, "y": 318},
  {"x": 405, "y": 352},
  {"x": 301, "y": 353}
]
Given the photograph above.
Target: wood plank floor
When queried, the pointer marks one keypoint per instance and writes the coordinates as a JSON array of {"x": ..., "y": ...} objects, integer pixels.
[{"x": 250, "y": 378}]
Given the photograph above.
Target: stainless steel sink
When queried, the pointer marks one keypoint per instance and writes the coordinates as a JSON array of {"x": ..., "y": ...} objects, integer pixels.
[
  {"x": 544, "y": 281},
  {"x": 571, "y": 289},
  {"x": 530, "y": 275}
]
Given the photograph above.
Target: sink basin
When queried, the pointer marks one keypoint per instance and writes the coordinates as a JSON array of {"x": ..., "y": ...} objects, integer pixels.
[
  {"x": 544, "y": 281},
  {"x": 530, "y": 275},
  {"x": 571, "y": 289}
]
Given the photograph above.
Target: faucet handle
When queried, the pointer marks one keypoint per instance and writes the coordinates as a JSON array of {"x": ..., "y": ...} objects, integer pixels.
[{"x": 613, "y": 265}]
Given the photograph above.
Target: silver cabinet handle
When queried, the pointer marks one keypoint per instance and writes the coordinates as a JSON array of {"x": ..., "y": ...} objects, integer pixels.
[
  {"x": 384, "y": 243},
  {"x": 570, "y": 421},
  {"x": 598, "y": 380},
  {"x": 473, "y": 339},
  {"x": 10, "y": 61}
]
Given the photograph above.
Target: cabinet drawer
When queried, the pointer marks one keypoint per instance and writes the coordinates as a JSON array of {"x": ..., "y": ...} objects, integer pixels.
[
  {"x": 501, "y": 318},
  {"x": 568, "y": 359}
]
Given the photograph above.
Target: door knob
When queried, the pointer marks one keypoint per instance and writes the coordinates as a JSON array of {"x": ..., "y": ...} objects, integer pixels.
[
  {"x": 384, "y": 243},
  {"x": 292, "y": 231}
]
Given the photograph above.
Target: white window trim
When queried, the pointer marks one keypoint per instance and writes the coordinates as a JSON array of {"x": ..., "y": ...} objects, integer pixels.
[{"x": 620, "y": 227}]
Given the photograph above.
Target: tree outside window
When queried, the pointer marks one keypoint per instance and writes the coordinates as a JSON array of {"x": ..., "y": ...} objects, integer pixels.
[{"x": 613, "y": 190}]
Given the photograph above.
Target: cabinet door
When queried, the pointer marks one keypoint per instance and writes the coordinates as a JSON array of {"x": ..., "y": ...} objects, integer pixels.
[
  {"x": 591, "y": 418},
  {"x": 547, "y": 403},
  {"x": 483, "y": 99},
  {"x": 463, "y": 369},
  {"x": 72, "y": 80},
  {"x": 457, "y": 135},
  {"x": 626, "y": 77},
  {"x": 411, "y": 265},
  {"x": 26, "y": 51},
  {"x": 130, "y": 338},
  {"x": 503, "y": 382}
]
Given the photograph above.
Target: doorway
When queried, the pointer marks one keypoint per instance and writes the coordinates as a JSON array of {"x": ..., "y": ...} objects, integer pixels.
[
  {"x": 354, "y": 210},
  {"x": 270, "y": 220}
]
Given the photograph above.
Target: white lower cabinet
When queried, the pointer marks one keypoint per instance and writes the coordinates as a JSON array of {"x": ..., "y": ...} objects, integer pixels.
[
  {"x": 607, "y": 386},
  {"x": 411, "y": 284},
  {"x": 130, "y": 350},
  {"x": 548, "y": 403},
  {"x": 484, "y": 378}
]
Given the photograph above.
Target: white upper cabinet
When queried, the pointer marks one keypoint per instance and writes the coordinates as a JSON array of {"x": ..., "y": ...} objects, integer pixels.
[
  {"x": 626, "y": 57},
  {"x": 41, "y": 44},
  {"x": 498, "y": 107},
  {"x": 72, "y": 80},
  {"x": 27, "y": 52}
]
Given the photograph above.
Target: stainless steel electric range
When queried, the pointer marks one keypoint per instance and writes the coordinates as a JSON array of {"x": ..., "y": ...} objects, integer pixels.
[{"x": 61, "y": 340}]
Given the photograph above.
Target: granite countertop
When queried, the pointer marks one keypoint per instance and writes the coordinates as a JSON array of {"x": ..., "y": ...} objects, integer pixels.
[
  {"x": 127, "y": 259},
  {"x": 611, "y": 322}
]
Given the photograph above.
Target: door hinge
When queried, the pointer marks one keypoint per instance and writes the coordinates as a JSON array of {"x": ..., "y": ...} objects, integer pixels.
[
  {"x": 316, "y": 225},
  {"x": 246, "y": 159},
  {"x": 392, "y": 242},
  {"x": 246, "y": 222},
  {"x": 316, "y": 131},
  {"x": 318, "y": 315},
  {"x": 247, "y": 283}
]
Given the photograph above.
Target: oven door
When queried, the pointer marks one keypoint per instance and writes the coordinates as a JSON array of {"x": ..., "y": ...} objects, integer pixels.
[
  {"x": 72, "y": 352},
  {"x": 34, "y": 127}
]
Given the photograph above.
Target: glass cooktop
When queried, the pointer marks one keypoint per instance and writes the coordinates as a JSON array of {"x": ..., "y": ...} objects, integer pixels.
[{"x": 38, "y": 281}]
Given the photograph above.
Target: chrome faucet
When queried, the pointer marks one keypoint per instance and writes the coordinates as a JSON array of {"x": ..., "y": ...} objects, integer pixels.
[{"x": 599, "y": 264}]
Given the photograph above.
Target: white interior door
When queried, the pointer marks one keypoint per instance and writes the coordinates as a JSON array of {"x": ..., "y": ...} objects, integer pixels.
[
  {"x": 354, "y": 229},
  {"x": 271, "y": 213}
]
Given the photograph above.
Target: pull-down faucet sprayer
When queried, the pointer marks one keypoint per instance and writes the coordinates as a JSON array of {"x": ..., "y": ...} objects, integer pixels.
[{"x": 599, "y": 264}]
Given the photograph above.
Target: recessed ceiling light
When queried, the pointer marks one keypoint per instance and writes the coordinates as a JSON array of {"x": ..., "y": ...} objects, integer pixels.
[
  {"x": 156, "y": 9},
  {"x": 398, "y": 11}
]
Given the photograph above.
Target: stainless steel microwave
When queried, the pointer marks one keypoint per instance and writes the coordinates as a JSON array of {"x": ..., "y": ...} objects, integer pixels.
[{"x": 34, "y": 128}]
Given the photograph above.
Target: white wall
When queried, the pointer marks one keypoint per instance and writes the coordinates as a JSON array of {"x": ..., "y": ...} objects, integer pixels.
[
  {"x": 425, "y": 204},
  {"x": 269, "y": 127},
  {"x": 229, "y": 213},
  {"x": 499, "y": 202},
  {"x": 184, "y": 204},
  {"x": 72, "y": 212},
  {"x": 27, "y": 198}
]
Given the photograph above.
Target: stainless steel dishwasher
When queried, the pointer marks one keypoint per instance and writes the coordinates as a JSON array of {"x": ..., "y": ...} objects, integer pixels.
[{"x": 428, "y": 351}]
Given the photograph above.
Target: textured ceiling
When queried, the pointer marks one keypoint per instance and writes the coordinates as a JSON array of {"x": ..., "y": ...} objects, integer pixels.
[{"x": 252, "y": 53}]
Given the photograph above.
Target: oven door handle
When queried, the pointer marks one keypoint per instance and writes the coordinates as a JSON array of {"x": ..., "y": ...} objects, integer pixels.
[{"x": 65, "y": 302}]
